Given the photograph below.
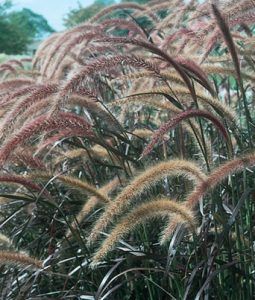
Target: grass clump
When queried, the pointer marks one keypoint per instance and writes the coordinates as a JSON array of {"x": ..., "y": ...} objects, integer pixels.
[{"x": 107, "y": 123}]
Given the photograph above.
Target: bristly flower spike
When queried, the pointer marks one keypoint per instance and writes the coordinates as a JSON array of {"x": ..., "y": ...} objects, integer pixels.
[
  {"x": 142, "y": 182},
  {"x": 140, "y": 214}
]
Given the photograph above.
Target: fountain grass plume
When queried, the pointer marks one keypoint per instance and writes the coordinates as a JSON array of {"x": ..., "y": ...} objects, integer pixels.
[
  {"x": 72, "y": 43},
  {"x": 146, "y": 100},
  {"x": 115, "y": 7},
  {"x": 16, "y": 62},
  {"x": 42, "y": 124},
  {"x": 226, "y": 71},
  {"x": 43, "y": 49},
  {"x": 123, "y": 24},
  {"x": 5, "y": 242},
  {"x": 100, "y": 64},
  {"x": 95, "y": 109},
  {"x": 91, "y": 203},
  {"x": 173, "y": 62},
  {"x": 96, "y": 151},
  {"x": 20, "y": 259},
  {"x": 180, "y": 91},
  {"x": 143, "y": 182},
  {"x": 140, "y": 214},
  {"x": 218, "y": 175},
  {"x": 16, "y": 83},
  {"x": 71, "y": 182},
  {"x": 22, "y": 91},
  {"x": 172, "y": 76},
  {"x": 23, "y": 180},
  {"x": 27, "y": 159},
  {"x": 57, "y": 45},
  {"x": 36, "y": 94},
  {"x": 7, "y": 67},
  {"x": 191, "y": 127}
]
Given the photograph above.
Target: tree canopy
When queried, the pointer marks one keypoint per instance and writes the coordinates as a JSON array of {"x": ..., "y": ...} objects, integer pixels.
[
  {"x": 19, "y": 28},
  {"x": 81, "y": 14}
]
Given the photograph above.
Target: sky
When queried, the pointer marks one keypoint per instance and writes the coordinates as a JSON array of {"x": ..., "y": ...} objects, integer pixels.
[{"x": 52, "y": 10}]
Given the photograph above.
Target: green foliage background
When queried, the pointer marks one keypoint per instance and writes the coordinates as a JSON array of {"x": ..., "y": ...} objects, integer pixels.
[{"x": 19, "y": 28}]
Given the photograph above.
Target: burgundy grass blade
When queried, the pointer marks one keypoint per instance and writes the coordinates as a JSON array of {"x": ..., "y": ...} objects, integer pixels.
[{"x": 228, "y": 39}]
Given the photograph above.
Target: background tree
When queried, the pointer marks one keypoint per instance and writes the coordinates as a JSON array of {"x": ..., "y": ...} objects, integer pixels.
[
  {"x": 19, "y": 28},
  {"x": 81, "y": 14}
]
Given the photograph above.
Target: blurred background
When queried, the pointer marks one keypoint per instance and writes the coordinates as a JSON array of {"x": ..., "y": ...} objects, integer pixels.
[{"x": 24, "y": 24}]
